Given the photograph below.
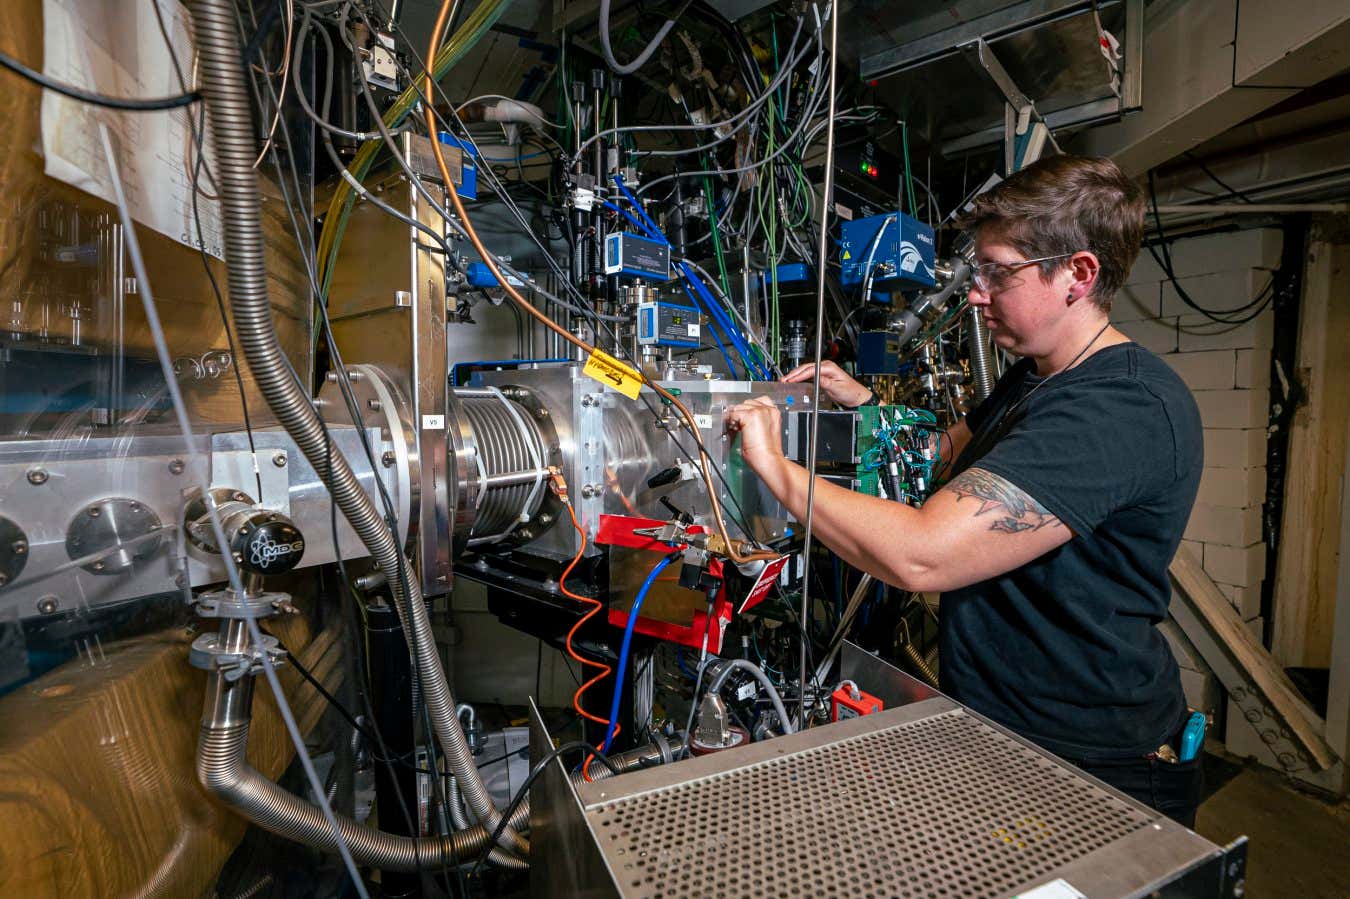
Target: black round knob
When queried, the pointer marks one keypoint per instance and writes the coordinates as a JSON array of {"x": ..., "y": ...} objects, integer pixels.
[{"x": 267, "y": 544}]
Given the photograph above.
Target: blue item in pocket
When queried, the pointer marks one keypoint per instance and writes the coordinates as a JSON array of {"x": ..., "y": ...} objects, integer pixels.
[{"x": 1192, "y": 737}]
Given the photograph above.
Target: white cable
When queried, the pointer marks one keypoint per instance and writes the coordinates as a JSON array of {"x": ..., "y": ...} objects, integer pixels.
[{"x": 628, "y": 68}]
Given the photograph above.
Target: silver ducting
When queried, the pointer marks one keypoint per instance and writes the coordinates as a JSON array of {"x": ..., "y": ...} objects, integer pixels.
[
  {"x": 981, "y": 365},
  {"x": 504, "y": 447},
  {"x": 225, "y": 91},
  {"x": 223, "y": 768}
]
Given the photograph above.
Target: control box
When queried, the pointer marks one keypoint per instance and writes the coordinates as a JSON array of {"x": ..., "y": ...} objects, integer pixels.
[
  {"x": 637, "y": 257},
  {"x": 666, "y": 324},
  {"x": 900, "y": 248}
]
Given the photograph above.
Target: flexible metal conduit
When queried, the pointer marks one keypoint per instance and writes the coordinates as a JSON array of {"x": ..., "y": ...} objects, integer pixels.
[
  {"x": 981, "y": 367},
  {"x": 223, "y": 768},
  {"x": 225, "y": 91}
]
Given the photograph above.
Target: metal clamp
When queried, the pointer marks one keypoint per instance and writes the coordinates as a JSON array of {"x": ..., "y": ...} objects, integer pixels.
[
  {"x": 228, "y": 604},
  {"x": 209, "y": 655}
]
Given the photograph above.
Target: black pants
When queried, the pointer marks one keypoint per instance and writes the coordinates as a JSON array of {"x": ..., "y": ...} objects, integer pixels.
[{"x": 1173, "y": 789}]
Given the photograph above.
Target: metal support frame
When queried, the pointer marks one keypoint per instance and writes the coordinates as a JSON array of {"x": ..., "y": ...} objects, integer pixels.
[{"x": 1020, "y": 118}]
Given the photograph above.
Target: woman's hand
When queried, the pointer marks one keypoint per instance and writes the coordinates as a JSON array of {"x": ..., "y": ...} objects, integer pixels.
[
  {"x": 834, "y": 381},
  {"x": 760, "y": 427}
]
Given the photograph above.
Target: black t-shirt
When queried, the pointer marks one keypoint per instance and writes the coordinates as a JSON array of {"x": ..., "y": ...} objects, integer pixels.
[{"x": 1064, "y": 650}]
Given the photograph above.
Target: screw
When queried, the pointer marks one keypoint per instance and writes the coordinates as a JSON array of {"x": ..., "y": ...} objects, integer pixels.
[
  {"x": 238, "y": 557},
  {"x": 176, "y": 466},
  {"x": 98, "y": 566},
  {"x": 374, "y": 405},
  {"x": 46, "y": 605},
  {"x": 95, "y": 511},
  {"x": 279, "y": 460},
  {"x": 388, "y": 458},
  {"x": 238, "y": 497},
  {"x": 135, "y": 507},
  {"x": 590, "y": 399},
  {"x": 331, "y": 377},
  {"x": 1239, "y": 694},
  {"x": 19, "y": 546},
  {"x": 37, "y": 477}
]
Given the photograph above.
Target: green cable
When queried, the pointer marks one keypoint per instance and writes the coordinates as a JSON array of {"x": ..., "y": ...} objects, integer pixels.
[
  {"x": 344, "y": 197},
  {"x": 775, "y": 345},
  {"x": 716, "y": 235}
]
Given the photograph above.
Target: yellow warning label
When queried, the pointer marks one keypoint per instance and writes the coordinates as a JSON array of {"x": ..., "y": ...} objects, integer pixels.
[
  {"x": 848, "y": 255},
  {"x": 612, "y": 373}
]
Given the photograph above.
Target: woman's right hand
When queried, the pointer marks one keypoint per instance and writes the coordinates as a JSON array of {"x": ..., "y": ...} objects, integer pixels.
[{"x": 834, "y": 381}]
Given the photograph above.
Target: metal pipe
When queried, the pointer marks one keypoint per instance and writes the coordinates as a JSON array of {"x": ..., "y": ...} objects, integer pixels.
[
  {"x": 511, "y": 478},
  {"x": 225, "y": 91},
  {"x": 822, "y": 257},
  {"x": 981, "y": 367},
  {"x": 223, "y": 769}
]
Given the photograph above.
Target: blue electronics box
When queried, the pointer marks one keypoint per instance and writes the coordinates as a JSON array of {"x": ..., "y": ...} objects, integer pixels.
[
  {"x": 636, "y": 256},
  {"x": 901, "y": 249}
]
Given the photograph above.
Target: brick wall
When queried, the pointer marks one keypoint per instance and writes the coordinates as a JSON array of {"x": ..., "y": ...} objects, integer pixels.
[{"x": 1228, "y": 371}]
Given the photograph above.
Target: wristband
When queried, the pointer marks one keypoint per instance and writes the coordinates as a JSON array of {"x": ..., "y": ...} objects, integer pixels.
[{"x": 872, "y": 400}]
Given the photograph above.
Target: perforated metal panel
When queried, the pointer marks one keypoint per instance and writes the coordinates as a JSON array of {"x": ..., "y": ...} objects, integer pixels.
[{"x": 940, "y": 806}]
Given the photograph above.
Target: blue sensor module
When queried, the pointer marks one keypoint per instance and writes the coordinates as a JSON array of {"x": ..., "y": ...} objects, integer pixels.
[{"x": 900, "y": 248}]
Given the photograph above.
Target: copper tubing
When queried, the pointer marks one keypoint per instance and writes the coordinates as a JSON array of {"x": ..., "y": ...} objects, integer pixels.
[{"x": 490, "y": 261}]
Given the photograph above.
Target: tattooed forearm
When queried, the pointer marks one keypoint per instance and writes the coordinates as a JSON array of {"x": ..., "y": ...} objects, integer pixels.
[{"x": 1013, "y": 510}]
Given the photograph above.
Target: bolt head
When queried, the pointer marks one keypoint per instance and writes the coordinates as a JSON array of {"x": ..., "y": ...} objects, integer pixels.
[
  {"x": 94, "y": 511},
  {"x": 37, "y": 477},
  {"x": 19, "y": 547},
  {"x": 279, "y": 460},
  {"x": 176, "y": 467},
  {"x": 374, "y": 405},
  {"x": 47, "y": 605},
  {"x": 388, "y": 458},
  {"x": 99, "y": 566}
]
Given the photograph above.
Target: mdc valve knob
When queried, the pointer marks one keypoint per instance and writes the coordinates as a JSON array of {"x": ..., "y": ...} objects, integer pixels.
[
  {"x": 259, "y": 540},
  {"x": 267, "y": 544}
]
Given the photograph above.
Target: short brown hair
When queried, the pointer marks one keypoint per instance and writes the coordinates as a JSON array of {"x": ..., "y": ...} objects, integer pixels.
[{"x": 1064, "y": 204}]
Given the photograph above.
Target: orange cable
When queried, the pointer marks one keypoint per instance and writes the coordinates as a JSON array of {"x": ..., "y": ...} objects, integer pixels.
[
  {"x": 490, "y": 261},
  {"x": 596, "y": 605}
]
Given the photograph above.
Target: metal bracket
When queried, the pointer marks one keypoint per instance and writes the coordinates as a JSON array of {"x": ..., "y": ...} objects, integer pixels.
[{"x": 1020, "y": 118}]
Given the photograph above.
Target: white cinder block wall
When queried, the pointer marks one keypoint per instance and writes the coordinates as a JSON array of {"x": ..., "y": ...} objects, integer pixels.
[{"x": 1228, "y": 370}]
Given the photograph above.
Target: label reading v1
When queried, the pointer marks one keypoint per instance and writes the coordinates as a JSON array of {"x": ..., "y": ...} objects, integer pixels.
[{"x": 612, "y": 373}]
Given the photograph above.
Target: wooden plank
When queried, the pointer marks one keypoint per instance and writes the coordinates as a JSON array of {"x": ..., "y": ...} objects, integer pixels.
[
  {"x": 1255, "y": 665},
  {"x": 1306, "y": 571}
]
